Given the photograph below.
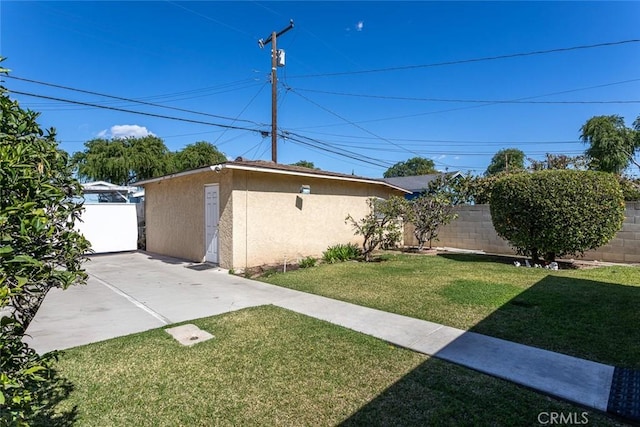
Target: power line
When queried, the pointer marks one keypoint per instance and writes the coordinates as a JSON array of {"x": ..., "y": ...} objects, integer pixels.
[
  {"x": 355, "y": 156},
  {"x": 448, "y": 141},
  {"x": 470, "y": 101},
  {"x": 210, "y": 18},
  {"x": 167, "y": 97},
  {"x": 468, "y": 107},
  {"x": 354, "y": 124},
  {"x": 54, "y": 106},
  {"x": 418, "y": 150},
  {"x": 132, "y": 100},
  {"x": 465, "y": 153},
  {"x": 106, "y": 107},
  {"x": 466, "y": 61},
  {"x": 325, "y": 152},
  {"x": 324, "y": 143},
  {"x": 242, "y": 111}
]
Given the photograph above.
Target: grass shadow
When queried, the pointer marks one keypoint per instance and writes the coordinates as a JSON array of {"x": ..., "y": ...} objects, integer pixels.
[
  {"x": 498, "y": 259},
  {"x": 562, "y": 314},
  {"x": 438, "y": 393},
  {"x": 479, "y": 259},
  {"x": 57, "y": 391},
  {"x": 571, "y": 316}
]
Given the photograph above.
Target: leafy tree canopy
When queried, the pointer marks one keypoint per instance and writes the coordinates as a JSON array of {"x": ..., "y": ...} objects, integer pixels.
[
  {"x": 558, "y": 161},
  {"x": 612, "y": 145},
  {"x": 124, "y": 160},
  {"x": 304, "y": 164},
  {"x": 506, "y": 160},
  {"x": 197, "y": 155},
  {"x": 412, "y": 167}
]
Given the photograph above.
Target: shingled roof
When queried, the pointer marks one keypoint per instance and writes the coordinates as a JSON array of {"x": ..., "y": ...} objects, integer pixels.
[{"x": 267, "y": 166}]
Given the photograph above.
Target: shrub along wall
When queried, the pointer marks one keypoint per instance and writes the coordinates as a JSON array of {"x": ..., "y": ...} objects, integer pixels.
[{"x": 474, "y": 230}]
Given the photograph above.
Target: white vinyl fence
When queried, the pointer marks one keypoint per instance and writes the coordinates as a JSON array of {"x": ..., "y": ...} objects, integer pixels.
[{"x": 110, "y": 227}]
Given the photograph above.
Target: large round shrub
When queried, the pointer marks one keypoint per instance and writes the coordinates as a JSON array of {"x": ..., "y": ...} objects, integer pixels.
[{"x": 557, "y": 212}]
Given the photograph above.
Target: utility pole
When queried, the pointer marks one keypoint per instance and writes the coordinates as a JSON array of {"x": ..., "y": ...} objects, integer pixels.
[{"x": 274, "y": 86}]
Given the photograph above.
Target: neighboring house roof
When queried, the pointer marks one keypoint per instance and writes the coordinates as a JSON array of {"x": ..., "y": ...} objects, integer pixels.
[
  {"x": 418, "y": 183},
  {"x": 97, "y": 187},
  {"x": 270, "y": 167}
]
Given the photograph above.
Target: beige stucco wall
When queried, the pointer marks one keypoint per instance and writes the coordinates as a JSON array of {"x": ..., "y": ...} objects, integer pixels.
[
  {"x": 263, "y": 217},
  {"x": 174, "y": 211},
  {"x": 273, "y": 221}
]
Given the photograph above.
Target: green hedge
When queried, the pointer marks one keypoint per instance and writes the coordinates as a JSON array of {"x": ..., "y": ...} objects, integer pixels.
[{"x": 557, "y": 212}]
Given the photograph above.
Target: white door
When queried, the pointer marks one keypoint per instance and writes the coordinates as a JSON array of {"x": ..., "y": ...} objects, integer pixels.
[{"x": 211, "y": 219}]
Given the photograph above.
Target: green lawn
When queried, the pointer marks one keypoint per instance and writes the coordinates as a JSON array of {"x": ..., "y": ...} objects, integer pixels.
[
  {"x": 269, "y": 366},
  {"x": 588, "y": 313}
]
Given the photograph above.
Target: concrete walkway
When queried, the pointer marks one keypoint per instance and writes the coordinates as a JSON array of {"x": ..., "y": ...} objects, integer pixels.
[{"x": 133, "y": 292}]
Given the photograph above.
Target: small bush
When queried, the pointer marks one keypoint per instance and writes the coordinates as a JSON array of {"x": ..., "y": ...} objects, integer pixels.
[
  {"x": 381, "y": 226},
  {"x": 340, "y": 252},
  {"x": 307, "y": 262}
]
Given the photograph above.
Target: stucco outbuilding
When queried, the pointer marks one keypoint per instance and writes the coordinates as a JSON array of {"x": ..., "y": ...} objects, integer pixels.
[{"x": 246, "y": 213}]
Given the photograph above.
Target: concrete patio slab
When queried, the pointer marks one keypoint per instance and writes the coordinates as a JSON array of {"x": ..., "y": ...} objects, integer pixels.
[{"x": 85, "y": 314}]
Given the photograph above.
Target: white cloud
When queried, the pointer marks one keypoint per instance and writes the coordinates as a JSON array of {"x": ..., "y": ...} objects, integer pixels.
[
  {"x": 456, "y": 158},
  {"x": 125, "y": 131},
  {"x": 441, "y": 156},
  {"x": 359, "y": 25}
]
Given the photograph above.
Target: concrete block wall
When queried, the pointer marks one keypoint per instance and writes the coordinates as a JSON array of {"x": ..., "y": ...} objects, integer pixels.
[
  {"x": 474, "y": 230},
  {"x": 625, "y": 247}
]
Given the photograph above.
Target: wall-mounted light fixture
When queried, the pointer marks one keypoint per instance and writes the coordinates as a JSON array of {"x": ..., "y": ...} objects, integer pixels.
[{"x": 305, "y": 189}]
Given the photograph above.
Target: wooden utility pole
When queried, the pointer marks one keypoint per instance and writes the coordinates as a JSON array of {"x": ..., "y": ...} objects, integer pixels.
[
  {"x": 274, "y": 98},
  {"x": 274, "y": 87}
]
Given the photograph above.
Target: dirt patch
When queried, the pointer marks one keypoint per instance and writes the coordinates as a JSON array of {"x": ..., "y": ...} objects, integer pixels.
[{"x": 266, "y": 270}]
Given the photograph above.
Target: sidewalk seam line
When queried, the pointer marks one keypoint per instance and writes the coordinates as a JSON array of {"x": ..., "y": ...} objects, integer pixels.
[
  {"x": 412, "y": 343},
  {"x": 132, "y": 300}
]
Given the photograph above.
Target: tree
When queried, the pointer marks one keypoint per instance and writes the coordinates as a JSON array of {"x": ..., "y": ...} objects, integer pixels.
[
  {"x": 506, "y": 160},
  {"x": 380, "y": 227},
  {"x": 428, "y": 213},
  {"x": 197, "y": 155},
  {"x": 412, "y": 167},
  {"x": 464, "y": 189},
  {"x": 39, "y": 250},
  {"x": 304, "y": 164},
  {"x": 557, "y": 212},
  {"x": 611, "y": 144},
  {"x": 558, "y": 161},
  {"x": 123, "y": 160}
]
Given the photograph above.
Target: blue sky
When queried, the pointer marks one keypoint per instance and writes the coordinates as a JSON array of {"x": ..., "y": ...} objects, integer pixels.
[{"x": 203, "y": 56}]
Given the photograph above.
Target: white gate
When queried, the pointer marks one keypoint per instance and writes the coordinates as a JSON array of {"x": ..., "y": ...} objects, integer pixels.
[{"x": 110, "y": 227}]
